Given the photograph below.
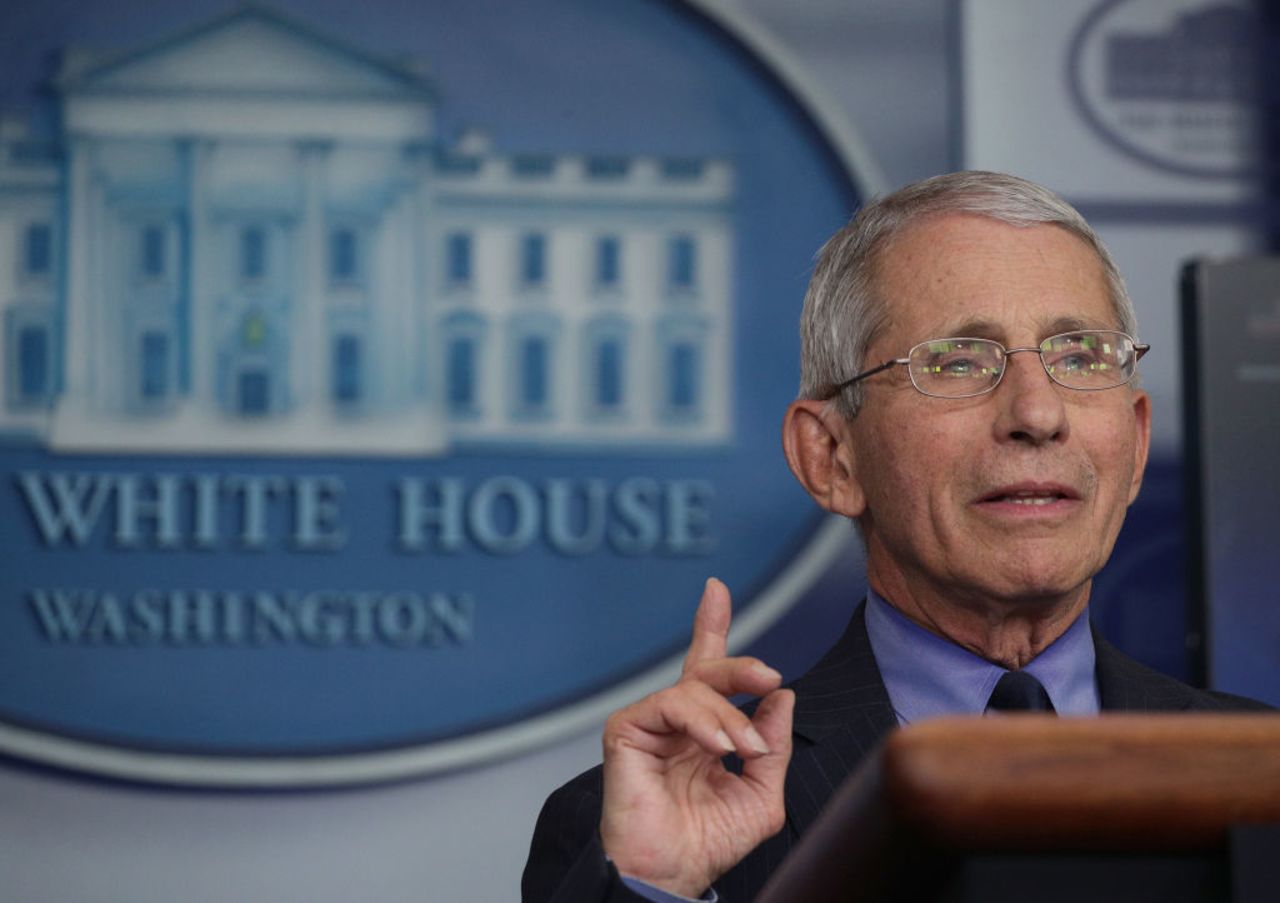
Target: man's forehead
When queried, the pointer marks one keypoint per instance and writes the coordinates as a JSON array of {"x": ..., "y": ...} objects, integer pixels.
[
  {"x": 1000, "y": 330},
  {"x": 964, "y": 275}
]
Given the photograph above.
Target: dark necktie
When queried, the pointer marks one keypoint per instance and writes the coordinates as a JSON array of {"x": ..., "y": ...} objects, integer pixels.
[{"x": 1018, "y": 691}]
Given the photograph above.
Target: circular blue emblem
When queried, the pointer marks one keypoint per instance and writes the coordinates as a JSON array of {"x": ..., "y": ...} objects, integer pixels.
[
  {"x": 1172, "y": 83},
  {"x": 380, "y": 388}
]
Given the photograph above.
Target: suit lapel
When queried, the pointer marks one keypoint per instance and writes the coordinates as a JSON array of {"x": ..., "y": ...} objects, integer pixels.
[
  {"x": 1125, "y": 685},
  {"x": 842, "y": 713}
]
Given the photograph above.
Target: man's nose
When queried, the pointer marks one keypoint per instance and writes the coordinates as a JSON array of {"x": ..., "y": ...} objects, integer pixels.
[{"x": 1031, "y": 407}]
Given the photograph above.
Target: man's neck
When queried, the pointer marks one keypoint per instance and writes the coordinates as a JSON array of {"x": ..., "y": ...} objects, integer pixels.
[{"x": 1009, "y": 632}]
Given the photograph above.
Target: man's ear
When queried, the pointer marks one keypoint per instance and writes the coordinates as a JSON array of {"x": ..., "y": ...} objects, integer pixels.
[
  {"x": 1142, "y": 425},
  {"x": 819, "y": 450}
]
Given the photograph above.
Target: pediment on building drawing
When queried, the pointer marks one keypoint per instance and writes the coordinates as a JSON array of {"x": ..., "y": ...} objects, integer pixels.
[{"x": 249, "y": 51}]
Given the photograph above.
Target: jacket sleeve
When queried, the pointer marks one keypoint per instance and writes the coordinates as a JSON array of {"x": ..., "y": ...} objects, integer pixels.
[{"x": 566, "y": 860}]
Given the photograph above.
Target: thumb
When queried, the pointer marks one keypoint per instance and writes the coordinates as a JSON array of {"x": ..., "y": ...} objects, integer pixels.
[{"x": 773, "y": 721}]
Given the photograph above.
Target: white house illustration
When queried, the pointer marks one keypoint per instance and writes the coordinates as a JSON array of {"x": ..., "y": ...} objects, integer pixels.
[{"x": 248, "y": 238}]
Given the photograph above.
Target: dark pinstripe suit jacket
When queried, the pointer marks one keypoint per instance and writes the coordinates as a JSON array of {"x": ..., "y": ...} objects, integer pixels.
[{"x": 842, "y": 712}]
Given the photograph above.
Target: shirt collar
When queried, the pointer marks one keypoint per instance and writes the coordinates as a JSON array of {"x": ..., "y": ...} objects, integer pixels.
[{"x": 927, "y": 676}]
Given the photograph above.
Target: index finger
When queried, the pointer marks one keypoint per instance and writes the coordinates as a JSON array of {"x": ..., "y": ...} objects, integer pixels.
[{"x": 710, "y": 625}]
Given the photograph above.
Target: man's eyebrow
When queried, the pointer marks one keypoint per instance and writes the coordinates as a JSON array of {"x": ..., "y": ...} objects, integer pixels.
[
  {"x": 989, "y": 329},
  {"x": 978, "y": 329},
  {"x": 1073, "y": 324}
]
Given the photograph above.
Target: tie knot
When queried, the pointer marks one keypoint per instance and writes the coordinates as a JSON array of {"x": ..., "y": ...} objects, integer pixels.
[{"x": 1018, "y": 691}]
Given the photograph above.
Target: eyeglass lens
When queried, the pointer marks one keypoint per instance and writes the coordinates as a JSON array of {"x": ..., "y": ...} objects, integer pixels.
[{"x": 958, "y": 367}]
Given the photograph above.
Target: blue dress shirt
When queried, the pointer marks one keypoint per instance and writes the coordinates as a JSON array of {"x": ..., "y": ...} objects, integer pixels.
[{"x": 927, "y": 676}]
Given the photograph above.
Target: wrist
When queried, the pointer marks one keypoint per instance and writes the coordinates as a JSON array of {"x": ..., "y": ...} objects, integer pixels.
[
  {"x": 665, "y": 890},
  {"x": 660, "y": 895},
  {"x": 674, "y": 883}
]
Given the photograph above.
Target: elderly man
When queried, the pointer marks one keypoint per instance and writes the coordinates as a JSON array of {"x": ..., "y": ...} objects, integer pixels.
[{"x": 968, "y": 398}]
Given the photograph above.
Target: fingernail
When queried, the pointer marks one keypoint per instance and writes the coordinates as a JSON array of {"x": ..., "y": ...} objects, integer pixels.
[
  {"x": 765, "y": 671},
  {"x": 756, "y": 741},
  {"x": 725, "y": 743}
]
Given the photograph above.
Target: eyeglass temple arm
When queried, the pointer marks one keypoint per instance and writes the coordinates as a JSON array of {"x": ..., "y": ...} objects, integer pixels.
[{"x": 840, "y": 387}]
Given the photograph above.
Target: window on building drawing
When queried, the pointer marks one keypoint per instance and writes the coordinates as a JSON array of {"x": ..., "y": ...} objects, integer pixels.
[
  {"x": 463, "y": 336},
  {"x": 608, "y": 262},
  {"x": 154, "y": 251},
  {"x": 458, "y": 259},
  {"x": 533, "y": 166},
  {"x": 682, "y": 263},
  {"x": 253, "y": 253},
  {"x": 685, "y": 372},
  {"x": 33, "y": 363},
  {"x": 461, "y": 378},
  {"x": 154, "y": 366},
  {"x": 38, "y": 250},
  {"x": 534, "y": 376},
  {"x": 610, "y": 168},
  {"x": 604, "y": 370},
  {"x": 253, "y": 391},
  {"x": 253, "y": 330},
  {"x": 344, "y": 262},
  {"x": 346, "y": 369},
  {"x": 533, "y": 260},
  {"x": 682, "y": 351},
  {"x": 610, "y": 365},
  {"x": 531, "y": 369}
]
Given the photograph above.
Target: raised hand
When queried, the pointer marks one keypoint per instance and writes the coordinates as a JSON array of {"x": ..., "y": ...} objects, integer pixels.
[{"x": 672, "y": 814}]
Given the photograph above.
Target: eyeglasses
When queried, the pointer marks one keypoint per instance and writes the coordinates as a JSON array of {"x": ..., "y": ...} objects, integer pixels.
[{"x": 1088, "y": 360}]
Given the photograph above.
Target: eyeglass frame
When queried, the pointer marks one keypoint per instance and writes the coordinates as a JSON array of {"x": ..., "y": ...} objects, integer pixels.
[{"x": 1139, "y": 348}]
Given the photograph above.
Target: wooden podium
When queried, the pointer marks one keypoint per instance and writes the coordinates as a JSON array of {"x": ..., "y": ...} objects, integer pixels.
[{"x": 1032, "y": 808}]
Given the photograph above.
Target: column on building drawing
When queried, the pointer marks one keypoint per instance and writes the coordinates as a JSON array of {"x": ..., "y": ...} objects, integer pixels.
[
  {"x": 424, "y": 344},
  {"x": 380, "y": 302},
  {"x": 90, "y": 372},
  {"x": 99, "y": 391},
  {"x": 446, "y": 343},
  {"x": 79, "y": 354},
  {"x": 397, "y": 330},
  {"x": 201, "y": 321},
  {"x": 309, "y": 342}
]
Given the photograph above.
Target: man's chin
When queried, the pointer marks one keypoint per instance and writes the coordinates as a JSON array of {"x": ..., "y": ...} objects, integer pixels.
[
  {"x": 1035, "y": 578},
  {"x": 1039, "y": 592}
]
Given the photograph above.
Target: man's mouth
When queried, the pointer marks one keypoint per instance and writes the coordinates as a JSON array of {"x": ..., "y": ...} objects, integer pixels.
[{"x": 1030, "y": 496}]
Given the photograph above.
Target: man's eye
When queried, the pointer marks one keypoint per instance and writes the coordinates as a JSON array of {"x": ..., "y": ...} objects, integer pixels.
[
  {"x": 954, "y": 366},
  {"x": 1078, "y": 362}
]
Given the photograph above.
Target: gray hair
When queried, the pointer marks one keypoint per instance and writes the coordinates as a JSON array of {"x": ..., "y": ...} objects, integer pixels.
[{"x": 843, "y": 312}]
